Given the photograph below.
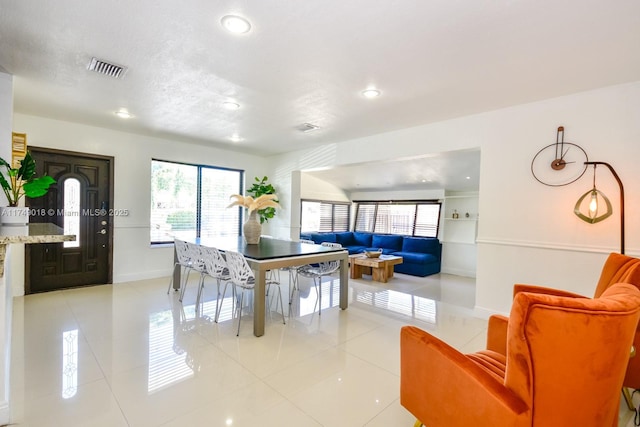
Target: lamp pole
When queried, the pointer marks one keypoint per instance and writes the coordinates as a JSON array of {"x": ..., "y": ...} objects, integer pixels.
[{"x": 615, "y": 175}]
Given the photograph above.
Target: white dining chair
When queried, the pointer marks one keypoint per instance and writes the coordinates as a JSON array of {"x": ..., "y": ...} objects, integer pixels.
[
  {"x": 241, "y": 276},
  {"x": 293, "y": 273},
  {"x": 196, "y": 264},
  {"x": 183, "y": 261},
  {"x": 215, "y": 267},
  {"x": 318, "y": 271}
]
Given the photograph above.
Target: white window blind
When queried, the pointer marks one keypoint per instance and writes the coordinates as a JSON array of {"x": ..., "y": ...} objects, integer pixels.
[
  {"x": 189, "y": 201},
  {"x": 406, "y": 218},
  {"x": 324, "y": 216}
]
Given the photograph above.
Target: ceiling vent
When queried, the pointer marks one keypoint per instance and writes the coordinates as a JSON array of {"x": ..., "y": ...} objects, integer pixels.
[
  {"x": 307, "y": 127},
  {"x": 107, "y": 68}
]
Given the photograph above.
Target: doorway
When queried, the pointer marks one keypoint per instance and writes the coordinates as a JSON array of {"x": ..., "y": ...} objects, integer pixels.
[{"x": 80, "y": 202}]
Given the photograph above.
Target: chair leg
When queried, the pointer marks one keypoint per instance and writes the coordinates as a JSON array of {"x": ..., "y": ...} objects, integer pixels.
[
  {"x": 240, "y": 311},
  {"x": 184, "y": 285},
  {"x": 217, "y": 297},
  {"x": 281, "y": 304},
  {"x": 200, "y": 289},
  {"x": 293, "y": 283},
  {"x": 219, "y": 308},
  {"x": 319, "y": 288},
  {"x": 627, "y": 398}
]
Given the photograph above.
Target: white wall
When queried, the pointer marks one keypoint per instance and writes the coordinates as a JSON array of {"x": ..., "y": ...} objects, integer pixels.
[
  {"x": 317, "y": 189},
  {"x": 134, "y": 258},
  {"x": 527, "y": 231}
]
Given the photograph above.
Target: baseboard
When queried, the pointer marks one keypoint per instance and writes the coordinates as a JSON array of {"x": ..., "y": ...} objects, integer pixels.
[
  {"x": 145, "y": 275},
  {"x": 459, "y": 272}
]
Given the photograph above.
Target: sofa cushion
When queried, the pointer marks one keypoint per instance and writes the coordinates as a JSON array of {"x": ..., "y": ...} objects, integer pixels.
[
  {"x": 416, "y": 257},
  {"x": 323, "y": 237},
  {"x": 362, "y": 239},
  {"x": 345, "y": 238},
  {"x": 390, "y": 241},
  {"x": 425, "y": 245}
]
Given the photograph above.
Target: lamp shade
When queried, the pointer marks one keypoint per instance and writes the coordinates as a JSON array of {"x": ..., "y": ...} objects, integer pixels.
[{"x": 591, "y": 203}]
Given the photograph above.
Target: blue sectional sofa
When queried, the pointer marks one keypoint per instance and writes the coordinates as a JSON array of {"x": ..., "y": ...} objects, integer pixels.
[{"x": 422, "y": 256}]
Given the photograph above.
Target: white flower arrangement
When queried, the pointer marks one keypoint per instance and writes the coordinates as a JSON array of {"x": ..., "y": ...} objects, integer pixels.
[{"x": 264, "y": 201}]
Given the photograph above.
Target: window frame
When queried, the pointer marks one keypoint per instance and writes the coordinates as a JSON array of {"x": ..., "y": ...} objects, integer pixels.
[
  {"x": 333, "y": 204},
  {"x": 416, "y": 203},
  {"x": 199, "y": 167}
]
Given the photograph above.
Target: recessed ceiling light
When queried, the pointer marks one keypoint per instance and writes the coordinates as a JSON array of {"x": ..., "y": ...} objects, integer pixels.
[
  {"x": 231, "y": 105},
  {"x": 235, "y": 24},
  {"x": 371, "y": 93},
  {"x": 235, "y": 138},
  {"x": 123, "y": 114},
  {"x": 468, "y": 177}
]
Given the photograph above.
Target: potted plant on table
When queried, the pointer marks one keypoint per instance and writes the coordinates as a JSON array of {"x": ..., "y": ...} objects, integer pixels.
[
  {"x": 252, "y": 229},
  {"x": 259, "y": 188},
  {"x": 19, "y": 182}
]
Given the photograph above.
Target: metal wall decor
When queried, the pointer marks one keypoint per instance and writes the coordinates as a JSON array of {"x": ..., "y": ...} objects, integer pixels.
[{"x": 560, "y": 163}]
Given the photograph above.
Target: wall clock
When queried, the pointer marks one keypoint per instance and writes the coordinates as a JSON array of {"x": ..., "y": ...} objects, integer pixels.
[{"x": 559, "y": 164}]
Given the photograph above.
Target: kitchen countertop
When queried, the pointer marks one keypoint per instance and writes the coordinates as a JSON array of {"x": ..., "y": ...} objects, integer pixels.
[{"x": 37, "y": 233}]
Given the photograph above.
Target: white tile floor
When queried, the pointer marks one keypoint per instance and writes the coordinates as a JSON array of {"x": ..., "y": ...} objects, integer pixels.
[{"x": 131, "y": 355}]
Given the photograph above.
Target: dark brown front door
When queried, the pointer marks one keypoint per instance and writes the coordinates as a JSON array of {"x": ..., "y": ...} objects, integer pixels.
[{"x": 81, "y": 201}]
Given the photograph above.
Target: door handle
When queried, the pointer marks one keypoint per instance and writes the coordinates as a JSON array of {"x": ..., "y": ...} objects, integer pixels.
[{"x": 103, "y": 231}]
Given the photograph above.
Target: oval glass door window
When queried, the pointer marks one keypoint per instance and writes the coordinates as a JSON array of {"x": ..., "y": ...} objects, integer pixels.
[{"x": 72, "y": 211}]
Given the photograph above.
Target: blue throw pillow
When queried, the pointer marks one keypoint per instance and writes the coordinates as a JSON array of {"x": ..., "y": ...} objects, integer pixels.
[
  {"x": 345, "y": 238},
  {"x": 362, "y": 239}
]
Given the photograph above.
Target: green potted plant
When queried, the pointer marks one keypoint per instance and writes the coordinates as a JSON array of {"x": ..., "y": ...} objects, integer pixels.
[
  {"x": 261, "y": 187},
  {"x": 19, "y": 182}
]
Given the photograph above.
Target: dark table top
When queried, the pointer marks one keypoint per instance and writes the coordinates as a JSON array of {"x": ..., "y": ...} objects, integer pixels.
[{"x": 268, "y": 248}]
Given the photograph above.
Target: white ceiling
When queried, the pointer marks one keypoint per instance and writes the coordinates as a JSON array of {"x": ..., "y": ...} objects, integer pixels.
[
  {"x": 453, "y": 171},
  {"x": 307, "y": 62}
]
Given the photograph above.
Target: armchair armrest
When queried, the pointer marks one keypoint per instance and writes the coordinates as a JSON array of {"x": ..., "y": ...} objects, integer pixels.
[
  {"x": 497, "y": 334},
  {"x": 517, "y": 288},
  {"x": 442, "y": 387}
]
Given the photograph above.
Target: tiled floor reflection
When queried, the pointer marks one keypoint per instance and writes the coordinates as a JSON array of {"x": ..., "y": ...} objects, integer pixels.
[{"x": 131, "y": 355}]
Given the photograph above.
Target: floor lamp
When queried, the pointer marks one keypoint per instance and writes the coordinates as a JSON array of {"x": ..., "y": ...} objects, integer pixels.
[{"x": 596, "y": 200}]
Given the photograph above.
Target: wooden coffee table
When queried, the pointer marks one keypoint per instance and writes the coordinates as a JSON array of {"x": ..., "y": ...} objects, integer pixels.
[{"x": 380, "y": 268}]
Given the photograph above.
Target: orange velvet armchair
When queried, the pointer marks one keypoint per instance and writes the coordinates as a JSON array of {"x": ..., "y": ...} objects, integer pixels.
[
  {"x": 553, "y": 372},
  {"x": 616, "y": 269}
]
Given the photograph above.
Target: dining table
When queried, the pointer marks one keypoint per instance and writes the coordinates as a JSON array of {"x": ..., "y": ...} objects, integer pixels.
[{"x": 272, "y": 254}]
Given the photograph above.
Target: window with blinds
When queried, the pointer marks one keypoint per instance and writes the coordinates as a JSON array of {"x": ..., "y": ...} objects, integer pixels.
[
  {"x": 318, "y": 215},
  {"x": 189, "y": 201},
  {"x": 419, "y": 218}
]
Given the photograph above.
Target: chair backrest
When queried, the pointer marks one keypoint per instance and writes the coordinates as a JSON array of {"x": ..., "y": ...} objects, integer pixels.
[
  {"x": 623, "y": 269},
  {"x": 214, "y": 263},
  {"x": 195, "y": 256},
  {"x": 239, "y": 270},
  {"x": 618, "y": 269},
  {"x": 182, "y": 252},
  {"x": 330, "y": 266},
  {"x": 563, "y": 351}
]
